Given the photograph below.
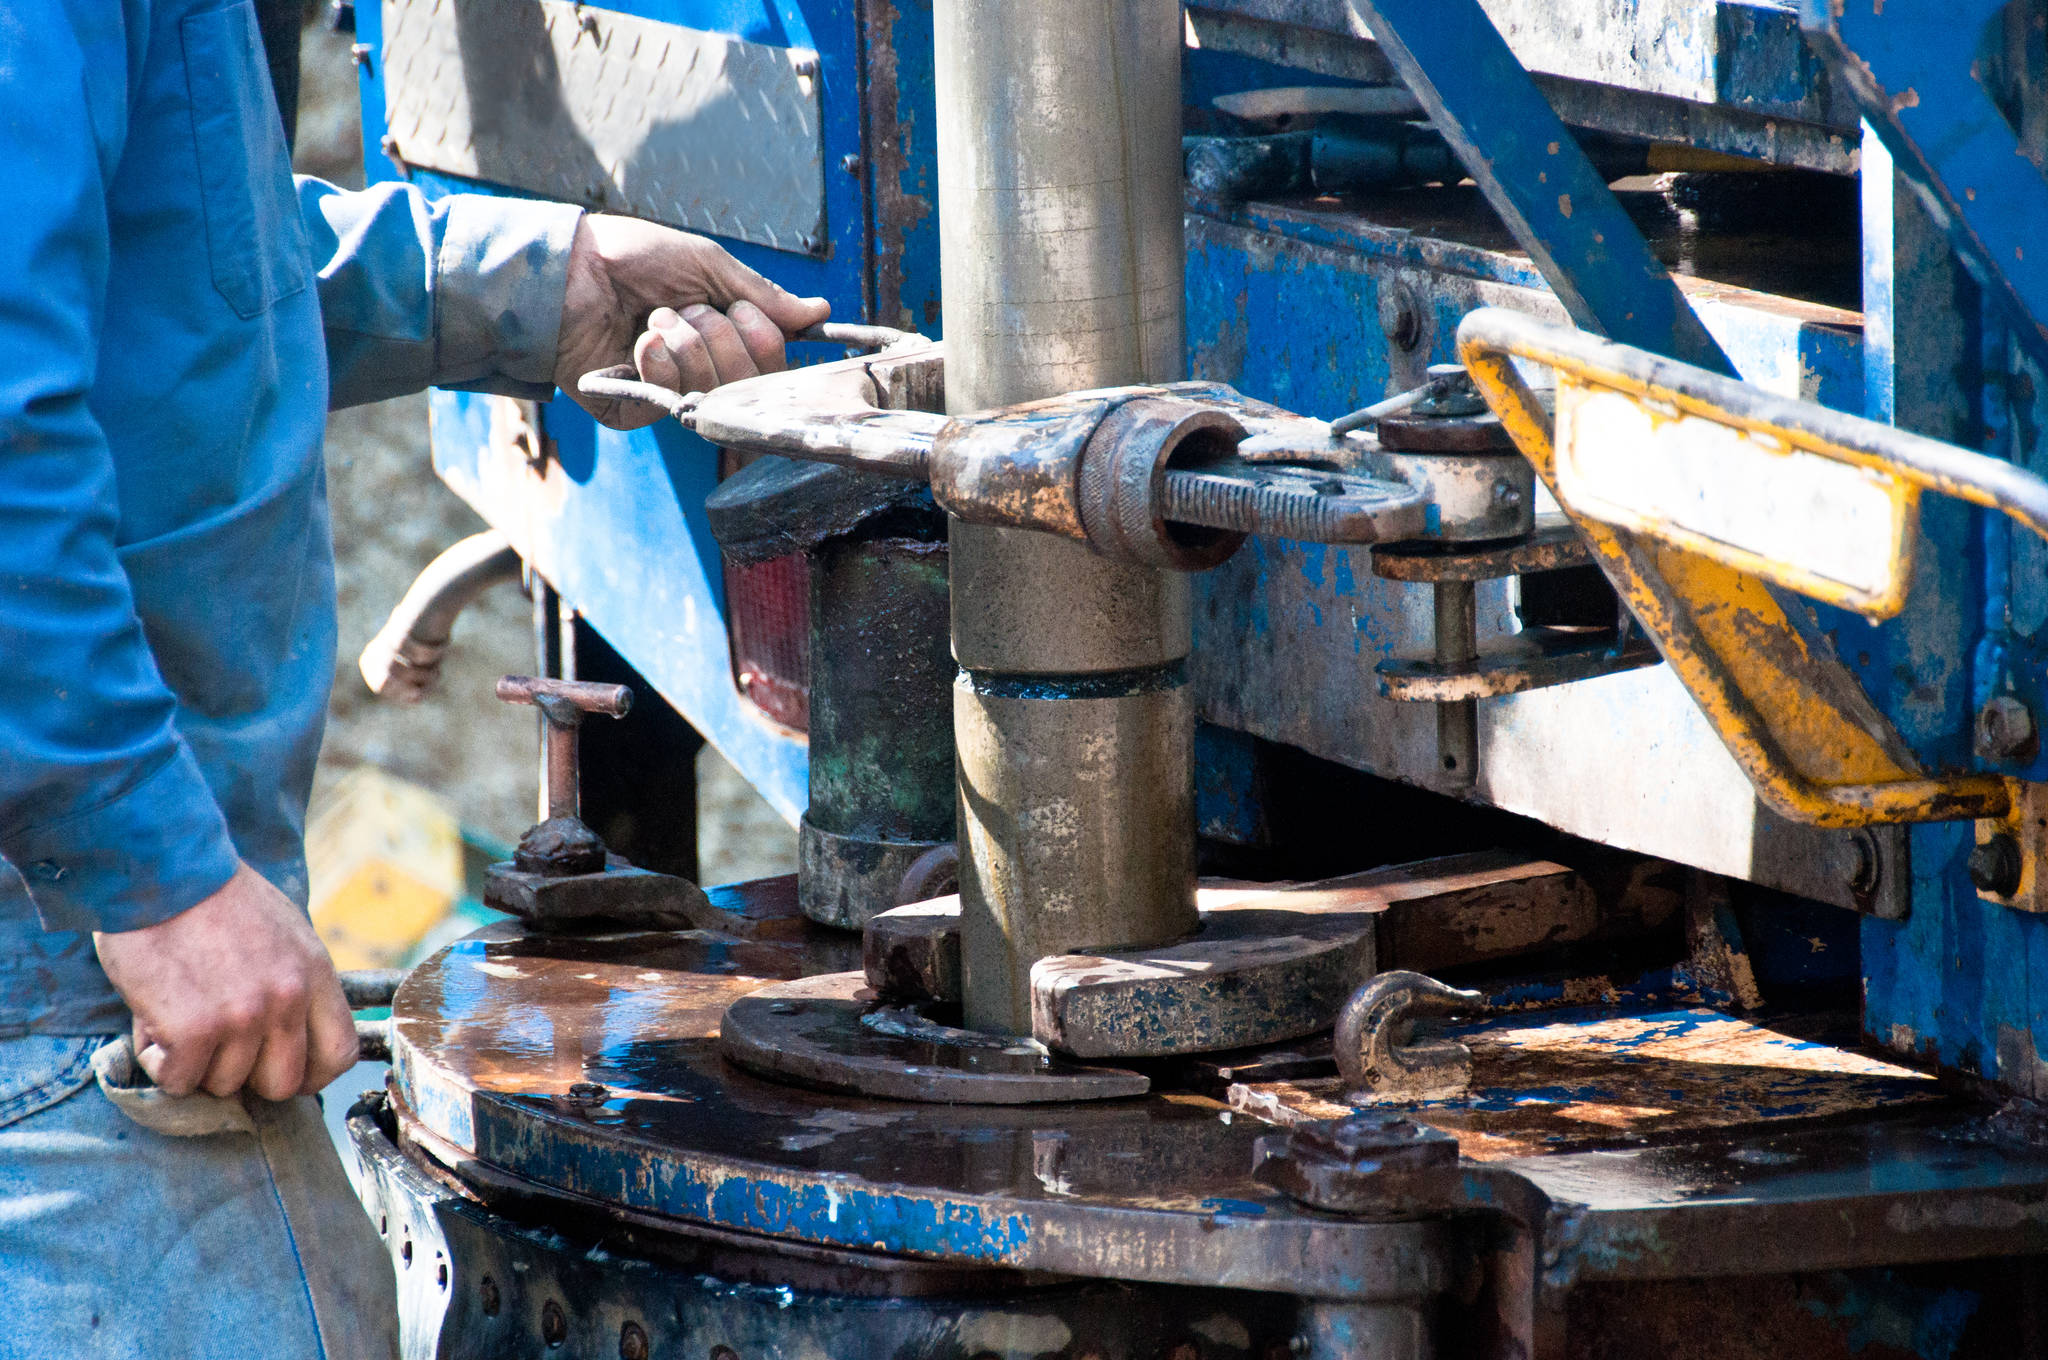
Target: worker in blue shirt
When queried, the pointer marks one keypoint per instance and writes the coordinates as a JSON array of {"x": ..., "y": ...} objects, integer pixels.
[{"x": 177, "y": 315}]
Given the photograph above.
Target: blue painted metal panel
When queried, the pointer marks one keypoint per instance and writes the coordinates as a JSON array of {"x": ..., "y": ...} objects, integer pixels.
[
  {"x": 625, "y": 539},
  {"x": 1559, "y": 207},
  {"x": 1915, "y": 73}
]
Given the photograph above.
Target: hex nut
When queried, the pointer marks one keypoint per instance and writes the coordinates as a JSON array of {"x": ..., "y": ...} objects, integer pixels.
[{"x": 2006, "y": 730}]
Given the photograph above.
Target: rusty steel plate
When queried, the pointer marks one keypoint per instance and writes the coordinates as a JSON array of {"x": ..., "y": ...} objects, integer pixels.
[
  {"x": 829, "y": 1032},
  {"x": 1584, "y": 1078}
]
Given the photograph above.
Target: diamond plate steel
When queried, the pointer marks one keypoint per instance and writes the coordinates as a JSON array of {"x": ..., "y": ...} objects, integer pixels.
[{"x": 698, "y": 130}]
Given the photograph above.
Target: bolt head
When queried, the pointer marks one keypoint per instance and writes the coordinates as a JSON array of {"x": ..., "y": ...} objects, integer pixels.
[
  {"x": 1995, "y": 866},
  {"x": 2005, "y": 730},
  {"x": 850, "y": 163},
  {"x": 1400, "y": 316},
  {"x": 1389, "y": 1140}
]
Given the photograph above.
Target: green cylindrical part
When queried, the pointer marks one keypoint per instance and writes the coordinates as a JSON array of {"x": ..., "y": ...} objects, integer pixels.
[{"x": 881, "y": 727}]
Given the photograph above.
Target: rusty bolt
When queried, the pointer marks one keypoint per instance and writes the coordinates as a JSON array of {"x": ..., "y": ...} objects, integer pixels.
[
  {"x": 632, "y": 1342},
  {"x": 1995, "y": 866},
  {"x": 554, "y": 1324},
  {"x": 2005, "y": 730}
]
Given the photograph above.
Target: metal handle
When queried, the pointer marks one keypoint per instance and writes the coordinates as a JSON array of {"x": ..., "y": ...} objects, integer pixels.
[
  {"x": 564, "y": 703},
  {"x": 1796, "y": 720},
  {"x": 622, "y": 382}
]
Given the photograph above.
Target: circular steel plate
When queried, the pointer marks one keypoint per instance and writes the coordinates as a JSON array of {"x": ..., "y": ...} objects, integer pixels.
[{"x": 501, "y": 1044}]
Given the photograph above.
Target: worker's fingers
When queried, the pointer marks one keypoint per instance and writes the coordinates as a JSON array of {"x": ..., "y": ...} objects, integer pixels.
[
  {"x": 722, "y": 340},
  {"x": 232, "y": 1061},
  {"x": 695, "y": 372},
  {"x": 733, "y": 282},
  {"x": 762, "y": 337},
  {"x": 176, "y": 1068},
  {"x": 331, "y": 1047},
  {"x": 279, "y": 1072},
  {"x": 179, "y": 1077}
]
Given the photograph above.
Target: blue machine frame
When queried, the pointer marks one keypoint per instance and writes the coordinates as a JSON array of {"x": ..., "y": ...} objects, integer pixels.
[{"x": 1289, "y": 305}]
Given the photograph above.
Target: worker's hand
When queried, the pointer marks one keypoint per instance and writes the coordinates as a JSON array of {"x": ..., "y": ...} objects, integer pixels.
[
  {"x": 707, "y": 318},
  {"x": 236, "y": 991}
]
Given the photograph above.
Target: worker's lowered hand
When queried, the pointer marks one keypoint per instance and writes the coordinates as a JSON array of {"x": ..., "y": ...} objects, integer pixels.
[
  {"x": 677, "y": 307},
  {"x": 235, "y": 992}
]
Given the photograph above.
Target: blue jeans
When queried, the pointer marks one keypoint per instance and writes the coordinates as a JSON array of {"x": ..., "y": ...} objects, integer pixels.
[{"x": 120, "y": 1240}]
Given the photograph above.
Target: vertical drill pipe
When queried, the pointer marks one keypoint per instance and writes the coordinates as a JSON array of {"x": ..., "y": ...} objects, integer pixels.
[
  {"x": 1457, "y": 647},
  {"x": 1061, "y": 268}
]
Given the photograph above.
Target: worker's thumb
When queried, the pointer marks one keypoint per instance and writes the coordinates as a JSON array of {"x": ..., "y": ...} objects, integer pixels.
[{"x": 784, "y": 308}]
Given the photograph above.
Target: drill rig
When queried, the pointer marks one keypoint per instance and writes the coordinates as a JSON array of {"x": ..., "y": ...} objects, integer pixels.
[{"x": 1406, "y": 642}]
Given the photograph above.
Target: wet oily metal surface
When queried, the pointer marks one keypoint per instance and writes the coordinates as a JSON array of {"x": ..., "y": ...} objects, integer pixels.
[
  {"x": 500, "y": 1042},
  {"x": 1573, "y": 1080},
  {"x": 1672, "y": 1142}
]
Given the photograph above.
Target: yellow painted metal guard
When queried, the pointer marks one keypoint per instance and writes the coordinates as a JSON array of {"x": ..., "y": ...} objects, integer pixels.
[{"x": 1797, "y": 722}]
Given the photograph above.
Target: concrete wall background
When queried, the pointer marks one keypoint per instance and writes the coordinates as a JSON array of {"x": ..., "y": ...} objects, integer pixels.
[{"x": 391, "y": 516}]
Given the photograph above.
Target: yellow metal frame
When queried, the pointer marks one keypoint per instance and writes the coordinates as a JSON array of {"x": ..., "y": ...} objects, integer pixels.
[
  {"x": 1796, "y": 720},
  {"x": 1664, "y": 406}
]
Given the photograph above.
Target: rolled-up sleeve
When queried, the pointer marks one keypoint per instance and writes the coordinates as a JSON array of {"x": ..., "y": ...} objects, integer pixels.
[
  {"x": 102, "y": 807},
  {"x": 462, "y": 292}
]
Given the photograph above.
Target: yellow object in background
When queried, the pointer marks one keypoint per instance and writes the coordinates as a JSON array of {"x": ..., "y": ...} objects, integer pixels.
[{"x": 385, "y": 862}]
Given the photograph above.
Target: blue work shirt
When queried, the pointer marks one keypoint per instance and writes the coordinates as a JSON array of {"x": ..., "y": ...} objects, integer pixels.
[{"x": 167, "y": 610}]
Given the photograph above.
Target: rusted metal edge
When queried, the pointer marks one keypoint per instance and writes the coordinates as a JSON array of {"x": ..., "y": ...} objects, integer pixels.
[
  {"x": 1555, "y": 545},
  {"x": 1531, "y": 659}
]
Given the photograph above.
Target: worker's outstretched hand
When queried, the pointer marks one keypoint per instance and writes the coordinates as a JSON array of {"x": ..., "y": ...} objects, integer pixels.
[
  {"x": 677, "y": 307},
  {"x": 236, "y": 991}
]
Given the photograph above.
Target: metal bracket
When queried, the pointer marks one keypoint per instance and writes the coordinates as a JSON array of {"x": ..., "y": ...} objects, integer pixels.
[{"x": 1534, "y": 658}]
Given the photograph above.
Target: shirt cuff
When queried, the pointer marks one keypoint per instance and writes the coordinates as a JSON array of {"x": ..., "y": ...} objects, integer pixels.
[
  {"x": 133, "y": 861},
  {"x": 501, "y": 273}
]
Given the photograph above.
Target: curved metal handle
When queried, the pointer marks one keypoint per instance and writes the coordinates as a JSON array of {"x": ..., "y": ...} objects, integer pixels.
[
  {"x": 1649, "y": 455},
  {"x": 622, "y": 382}
]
